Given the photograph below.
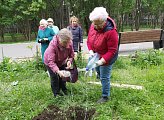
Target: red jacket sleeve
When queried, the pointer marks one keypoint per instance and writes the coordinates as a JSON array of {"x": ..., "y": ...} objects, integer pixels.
[{"x": 112, "y": 43}]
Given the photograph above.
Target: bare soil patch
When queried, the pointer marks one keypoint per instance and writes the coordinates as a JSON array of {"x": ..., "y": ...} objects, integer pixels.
[{"x": 73, "y": 113}]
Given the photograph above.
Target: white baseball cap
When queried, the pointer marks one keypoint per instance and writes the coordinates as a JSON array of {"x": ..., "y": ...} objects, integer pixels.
[{"x": 50, "y": 20}]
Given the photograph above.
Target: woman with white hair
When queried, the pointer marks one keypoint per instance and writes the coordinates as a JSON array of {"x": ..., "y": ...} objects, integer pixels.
[
  {"x": 103, "y": 39},
  {"x": 44, "y": 36},
  {"x": 58, "y": 57}
]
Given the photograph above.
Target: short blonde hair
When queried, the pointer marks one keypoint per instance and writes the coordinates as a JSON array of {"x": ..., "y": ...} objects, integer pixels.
[
  {"x": 65, "y": 35},
  {"x": 74, "y": 18},
  {"x": 99, "y": 13}
]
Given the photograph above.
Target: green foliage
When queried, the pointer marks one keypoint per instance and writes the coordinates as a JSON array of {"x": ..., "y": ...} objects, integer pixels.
[
  {"x": 80, "y": 61},
  {"x": 119, "y": 63},
  {"x": 33, "y": 93},
  {"x": 10, "y": 71},
  {"x": 145, "y": 59},
  {"x": 37, "y": 61},
  {"x": 5, "y": 66},
  {"x": 11, "y": 11},
  {"x": 38, "y": 64}
]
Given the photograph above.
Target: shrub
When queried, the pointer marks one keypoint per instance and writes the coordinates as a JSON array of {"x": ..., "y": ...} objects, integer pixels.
[
  {"x": 4, "y": 65},
  {"x": 147, "y": 58},
  {"x": 121, "y": 63},
  {"x": 80, "y": 60}
]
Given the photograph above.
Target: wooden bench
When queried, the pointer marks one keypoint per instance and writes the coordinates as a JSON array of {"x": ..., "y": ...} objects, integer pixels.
[{"x": 155, "y": 36}]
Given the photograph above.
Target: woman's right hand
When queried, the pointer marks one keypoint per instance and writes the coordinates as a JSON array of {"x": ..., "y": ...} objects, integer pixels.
[{"x": 60, "y": 73}]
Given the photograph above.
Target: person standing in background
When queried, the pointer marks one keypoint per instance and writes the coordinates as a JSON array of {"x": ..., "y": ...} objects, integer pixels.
[
  {"x": 103, "y": 39},
  {"x": 77, "y": 33},
  {"x": 51, "y": 25},
  {"x": 44, "y": 36}
]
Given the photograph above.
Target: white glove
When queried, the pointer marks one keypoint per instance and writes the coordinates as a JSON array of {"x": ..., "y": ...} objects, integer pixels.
[
  {"x": 81, "y": 44},
  {"x": 91, "y": 53},
  {"x": 45, "y": 39},
  {"x": 99, "y": 63}
]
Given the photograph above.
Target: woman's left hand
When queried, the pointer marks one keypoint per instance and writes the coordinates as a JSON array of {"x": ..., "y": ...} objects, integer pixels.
[
  {"x": 100, "y": 62},
  {"x": 68, "y": 65}
]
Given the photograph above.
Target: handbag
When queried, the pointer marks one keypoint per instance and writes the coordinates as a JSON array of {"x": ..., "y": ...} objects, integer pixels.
[{"x": 74, "y": 73}]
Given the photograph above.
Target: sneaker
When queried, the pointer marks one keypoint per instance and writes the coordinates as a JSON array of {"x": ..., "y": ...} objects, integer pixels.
[{"x": 103, "y": 100}]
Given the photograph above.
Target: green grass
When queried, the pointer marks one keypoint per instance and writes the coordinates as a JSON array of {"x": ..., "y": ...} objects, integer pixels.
[{"x": 33, "y": 94}]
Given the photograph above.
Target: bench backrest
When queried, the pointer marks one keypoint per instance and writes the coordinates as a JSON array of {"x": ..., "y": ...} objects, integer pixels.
[{"x": 140, "y": 36}]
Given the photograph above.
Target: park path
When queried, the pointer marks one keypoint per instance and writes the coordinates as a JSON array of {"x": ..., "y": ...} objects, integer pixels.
[{"x": 22, "y": 50}]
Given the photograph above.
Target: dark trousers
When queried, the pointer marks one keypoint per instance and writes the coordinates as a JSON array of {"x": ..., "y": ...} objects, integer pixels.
[
  {"x": 56, "y": 82},
  {"x": 76, "y": 46}
]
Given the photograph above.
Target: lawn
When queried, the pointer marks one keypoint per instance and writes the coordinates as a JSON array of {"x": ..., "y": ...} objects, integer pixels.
[{"x": 25, "y": 90}]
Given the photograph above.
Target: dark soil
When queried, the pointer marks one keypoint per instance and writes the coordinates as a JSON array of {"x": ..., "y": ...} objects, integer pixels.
[{"x": 73, "y": 113}]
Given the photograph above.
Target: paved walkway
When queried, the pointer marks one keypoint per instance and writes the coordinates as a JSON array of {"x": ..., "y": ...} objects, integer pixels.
[
  {"x": 18, "y": 50},
  {"x": 28, "y": 50}
]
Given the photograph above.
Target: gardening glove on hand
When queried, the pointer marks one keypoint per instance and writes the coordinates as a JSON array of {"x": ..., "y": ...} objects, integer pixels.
[
  {"x": 99, "y": 63},
  {"x": 91, "y": 53},
  {"x": 60, "y": 73}
]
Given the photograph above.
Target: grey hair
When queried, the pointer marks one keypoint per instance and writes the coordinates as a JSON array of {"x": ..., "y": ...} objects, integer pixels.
[
  {"x": 65, "y": 35},
  {"x": 99, "y": 13},
  {"x": 43, "y": 21}
]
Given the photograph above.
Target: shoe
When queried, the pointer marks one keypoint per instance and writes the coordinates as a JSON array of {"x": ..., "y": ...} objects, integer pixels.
[
  {"x": 103, "y": 100},
  {"x": 58, "y": 94},
  {"x": 65, "y": 92}
]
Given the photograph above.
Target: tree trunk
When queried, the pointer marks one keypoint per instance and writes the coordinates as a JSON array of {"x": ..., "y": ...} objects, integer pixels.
[
  {"x": 2, "y": 34},
  {"x": 133, "y": 20},
  {"x": 162, "y": 21},
  {"x": 122, "y": 22},
  {"x": 138, "y": 14},
  {"x": 87, "y": 24}
]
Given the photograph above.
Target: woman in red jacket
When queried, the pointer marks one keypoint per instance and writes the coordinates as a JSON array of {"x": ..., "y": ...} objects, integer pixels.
[{"x": 103, "y": 39}]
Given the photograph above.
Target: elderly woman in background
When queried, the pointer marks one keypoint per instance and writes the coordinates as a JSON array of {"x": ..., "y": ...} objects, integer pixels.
[
  {"x": 52, "y": 26},
  {"x": 77, "y": 33},
  {"x": 59, "y": 56},
  {"x": 103, "y": 39},
  {"x": 44, "y": 36}
]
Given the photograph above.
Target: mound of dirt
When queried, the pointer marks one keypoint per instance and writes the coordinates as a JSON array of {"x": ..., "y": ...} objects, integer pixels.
[{"x": 73, "y": 113}]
